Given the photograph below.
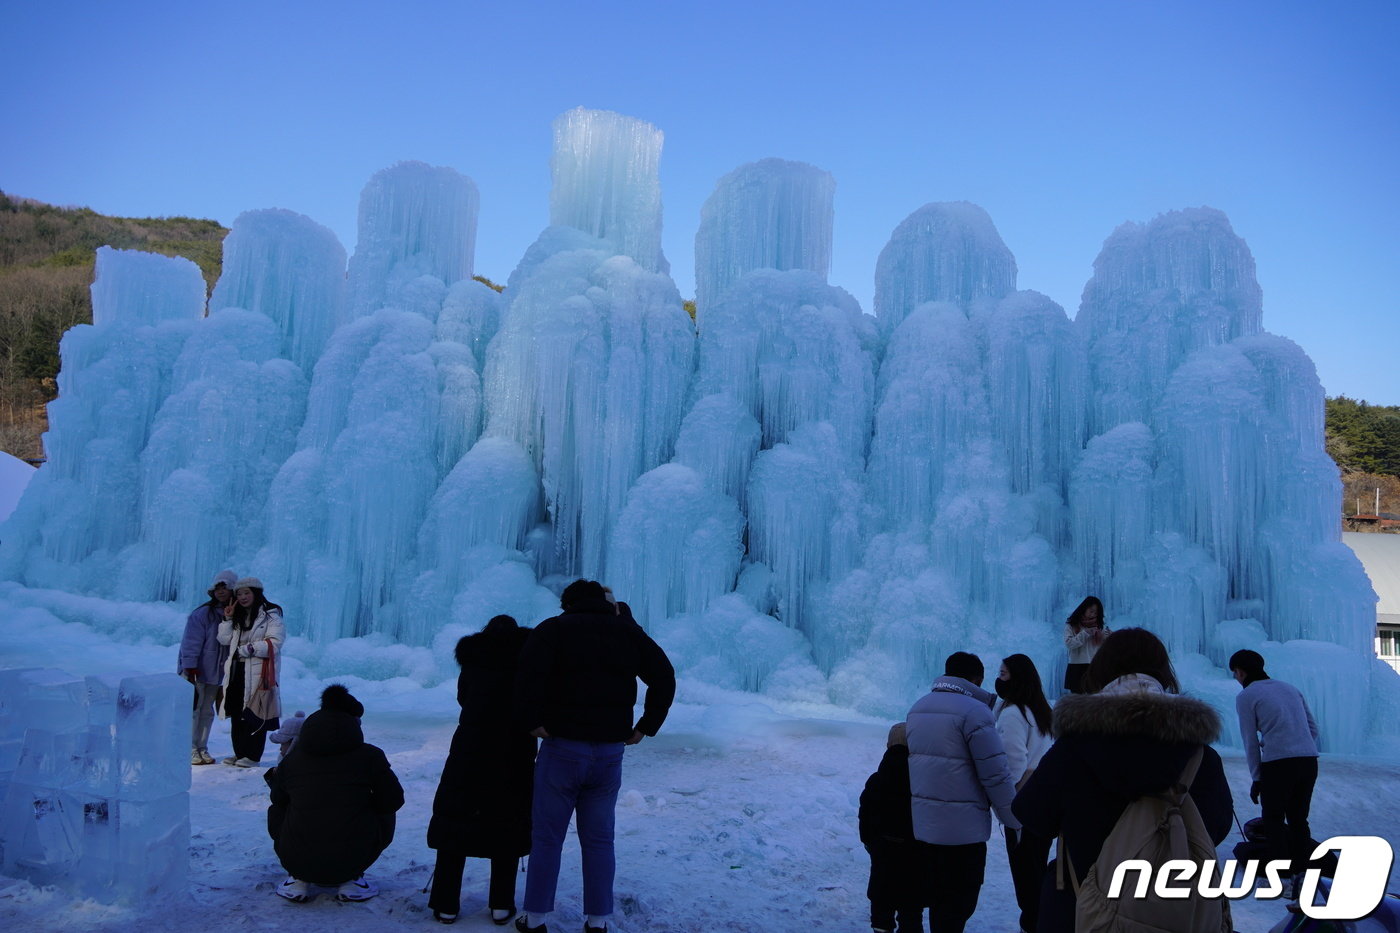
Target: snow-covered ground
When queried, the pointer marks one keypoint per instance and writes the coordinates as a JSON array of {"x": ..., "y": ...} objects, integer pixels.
[{"x": 740, "y": 815}]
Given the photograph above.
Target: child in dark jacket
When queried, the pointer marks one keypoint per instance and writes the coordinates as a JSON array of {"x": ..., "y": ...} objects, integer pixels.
[{"x": 887, "y": 832}]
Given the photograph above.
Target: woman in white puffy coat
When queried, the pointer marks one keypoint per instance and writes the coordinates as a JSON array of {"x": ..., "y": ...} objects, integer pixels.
[
  {"x": 1023, "y": 720},
  {"x": 253, "y": 630}
]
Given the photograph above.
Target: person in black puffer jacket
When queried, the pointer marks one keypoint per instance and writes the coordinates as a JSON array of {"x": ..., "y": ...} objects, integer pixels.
[
  {"x": 482, "y": 806},
  {"x": 333, "y": 803}
]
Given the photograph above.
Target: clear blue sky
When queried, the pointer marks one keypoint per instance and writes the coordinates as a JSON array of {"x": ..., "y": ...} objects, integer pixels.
[{"x": 1062, "y": 119}]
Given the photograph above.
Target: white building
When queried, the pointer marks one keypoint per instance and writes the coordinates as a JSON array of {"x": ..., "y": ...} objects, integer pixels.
[{"x": 1380, "y": 556}]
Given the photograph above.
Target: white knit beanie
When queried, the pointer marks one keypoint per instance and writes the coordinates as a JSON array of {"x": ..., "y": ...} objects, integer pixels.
[
  {"x": 226, "y": 577},
  {"x": 252, "y": 583}
]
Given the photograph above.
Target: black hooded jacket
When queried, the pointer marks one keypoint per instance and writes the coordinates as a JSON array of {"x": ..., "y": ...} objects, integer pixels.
[
  {"x": 578, "y": 676},
  {"x": 333, "y": 801},
  {"x": 482, "y": 806},
  {"x": 1109, "y": 750}
]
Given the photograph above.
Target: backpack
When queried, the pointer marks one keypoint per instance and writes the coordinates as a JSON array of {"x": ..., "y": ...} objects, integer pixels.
[{"x": 1154, "y": 828}]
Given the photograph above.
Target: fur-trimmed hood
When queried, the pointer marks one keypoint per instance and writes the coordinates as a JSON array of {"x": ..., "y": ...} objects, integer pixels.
[
  {"x": 496, "y": 651},
  {"x": 1163, "y": 717},
  {"x": 1134, "y": 741}
]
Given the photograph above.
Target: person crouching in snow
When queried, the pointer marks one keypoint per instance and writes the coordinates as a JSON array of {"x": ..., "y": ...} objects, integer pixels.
[
  {"x": 887, "y": 832},
  {"x": 333, "y": 803},
  {"x": 286, "y": 734}
]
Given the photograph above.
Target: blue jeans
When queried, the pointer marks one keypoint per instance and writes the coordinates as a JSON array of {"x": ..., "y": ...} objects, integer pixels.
[{"x": 583, "y": 778}]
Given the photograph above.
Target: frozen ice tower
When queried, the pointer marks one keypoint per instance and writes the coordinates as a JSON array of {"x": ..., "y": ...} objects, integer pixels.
[
  {"x": 291, "y": 269},
  {"x": 606, "y": 172},
  {"x": 941, "y": 252},
  {"x": 795, "y": 496},
  {"x": 770, "y": 214},
  {"x": 416, "y": 220},
  {"x": 590, "y": 370},
  {"x": 1161, "y": 290}
]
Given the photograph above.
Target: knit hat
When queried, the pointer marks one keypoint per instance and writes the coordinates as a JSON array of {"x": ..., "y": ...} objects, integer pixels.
[
  {"x": 251, "y": 583},
  {"x": 897, "y": 736},
  {"x": 226, "y": 577},
  {"x": 336, "y": 697}
]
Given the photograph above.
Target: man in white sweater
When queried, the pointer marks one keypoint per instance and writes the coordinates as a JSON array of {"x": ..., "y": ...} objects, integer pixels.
[{"x": 1280, "y": 745}]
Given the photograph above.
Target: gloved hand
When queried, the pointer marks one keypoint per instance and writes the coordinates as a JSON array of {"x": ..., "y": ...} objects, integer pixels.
[{"x": 1254, "y": 792}]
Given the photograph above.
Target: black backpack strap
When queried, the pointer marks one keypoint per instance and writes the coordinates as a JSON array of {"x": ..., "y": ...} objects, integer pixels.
[{"x": 1188, "y": 774}]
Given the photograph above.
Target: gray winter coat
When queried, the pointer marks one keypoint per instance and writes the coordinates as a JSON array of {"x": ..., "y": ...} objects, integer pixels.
[
  {"x": 200, "y": 648},
  {"x": 957, "y": 765}
]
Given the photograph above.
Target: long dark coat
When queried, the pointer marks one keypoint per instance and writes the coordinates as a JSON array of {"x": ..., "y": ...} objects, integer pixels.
[
  {"x": 1109, "y": 750},
  {"x": 482, "y": 806},
  {"x": 333, "y": 801}
]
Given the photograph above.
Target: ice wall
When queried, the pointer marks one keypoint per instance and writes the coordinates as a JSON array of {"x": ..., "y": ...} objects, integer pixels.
[
  {"x": 979, "y": 414},
  {"x": 1241, "y": 502},
  {"x": 84, "y": 506},
  {"x": 94, "y": 783},
  {"x": 794, "y": 496},
  {"x": 589, "y": 374},
  {"x": 770, "y": 214},
  {"x": 606, "y": 171}
]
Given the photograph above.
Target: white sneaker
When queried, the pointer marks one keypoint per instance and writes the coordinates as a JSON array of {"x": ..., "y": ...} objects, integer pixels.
[
  {"x": 196, "y": 758},
  {"x": 230, "y": 760},
  {"x": 293, "y": 890},
  {"x": 361, "y": 889},
  {"x": 245, "y": 763},
  {"x": 208, "y": 758}
]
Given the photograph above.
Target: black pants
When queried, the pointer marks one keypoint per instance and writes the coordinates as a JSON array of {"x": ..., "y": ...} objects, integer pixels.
[
  {"x": 1027, "y": 859},
  {"x": 954, "y": 880},
  {"x": 1285, "y": 797},
  {"x": 885, "y": 916},
  {"x": 1074, "y": 677},
  {"x": 249, "y": 733},
  {"x": 447, "y": 883},
  {"x": 896, "y": 879}
]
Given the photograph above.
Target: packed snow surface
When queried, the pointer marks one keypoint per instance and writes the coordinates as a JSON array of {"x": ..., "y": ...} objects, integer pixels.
[{"x": 740, "y": 815}]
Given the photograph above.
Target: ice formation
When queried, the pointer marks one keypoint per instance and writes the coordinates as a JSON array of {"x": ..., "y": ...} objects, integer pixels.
[
  {"x": 291, "y": 269},
  {"x": 796, "y": 497},
  {"x": 417, "y": 225},
  {"x": 738, "y": 232},
  {"x": 94, "y": 783},
  {"x": 941, "y": 252},
  {"x": 607, "y": 182}
]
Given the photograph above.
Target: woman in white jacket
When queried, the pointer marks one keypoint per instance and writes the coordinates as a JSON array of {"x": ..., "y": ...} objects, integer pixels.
[
  {"x": 1023, "y": 719},
  {"x": 1085, "y": 630},
  {"x": 253, "y": 630}
]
